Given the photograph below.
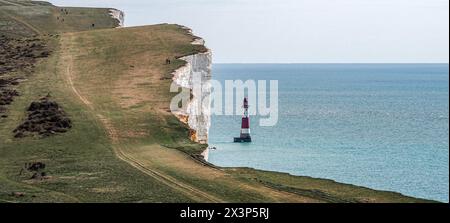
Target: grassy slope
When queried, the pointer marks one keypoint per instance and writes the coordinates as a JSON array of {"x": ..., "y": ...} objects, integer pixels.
[
  {"x": 111, "y": 83},
  {"x": 81, "y": 162},
  {"x": 24, "y": 18}
]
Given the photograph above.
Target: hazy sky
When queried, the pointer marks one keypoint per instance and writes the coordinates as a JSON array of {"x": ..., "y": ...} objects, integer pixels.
[{"x": 304, "y": 31}]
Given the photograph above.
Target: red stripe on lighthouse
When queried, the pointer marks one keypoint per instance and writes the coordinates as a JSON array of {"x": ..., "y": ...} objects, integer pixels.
[{"x": 245, "y": 123}]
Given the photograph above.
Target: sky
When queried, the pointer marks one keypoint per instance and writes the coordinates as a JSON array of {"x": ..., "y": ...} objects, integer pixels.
[{"x": 302, "y": 31}]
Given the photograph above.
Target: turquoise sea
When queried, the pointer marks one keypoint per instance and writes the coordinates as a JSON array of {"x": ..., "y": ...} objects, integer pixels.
[{"x": 383, "y": 126}]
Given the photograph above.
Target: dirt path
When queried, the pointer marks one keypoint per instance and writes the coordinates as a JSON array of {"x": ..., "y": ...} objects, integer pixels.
[
  {"x": 72, "y": 86},
  {"x": 188, "y": 190},
  {"x": 192, "y": 192},
  {"x": 17, "y": 19},
  {"x": 9, "y": 3}
]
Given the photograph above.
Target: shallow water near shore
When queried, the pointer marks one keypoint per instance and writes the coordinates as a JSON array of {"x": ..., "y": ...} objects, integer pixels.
[{"x": 383, "y": 126}]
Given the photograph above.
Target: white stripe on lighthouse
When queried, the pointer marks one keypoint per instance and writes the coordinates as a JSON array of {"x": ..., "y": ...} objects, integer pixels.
[{"x": 245, "y": 131}]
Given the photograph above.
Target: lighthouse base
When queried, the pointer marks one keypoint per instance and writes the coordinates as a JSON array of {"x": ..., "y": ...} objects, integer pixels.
[{"x": 242, "y": 140}]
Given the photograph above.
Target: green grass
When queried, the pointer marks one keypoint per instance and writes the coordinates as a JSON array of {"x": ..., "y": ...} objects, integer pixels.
[
  {"x": 328, "y": 190},
  {"x": 80, "y": 162}
]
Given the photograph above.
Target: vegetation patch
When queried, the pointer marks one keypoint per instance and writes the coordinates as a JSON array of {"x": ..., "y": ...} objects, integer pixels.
[
  {"x": 36, "y": 170},
  {"x": 6, "y": 94},
  {"x": 45, "y": 118},
  {"x": 17, "y": 55}
]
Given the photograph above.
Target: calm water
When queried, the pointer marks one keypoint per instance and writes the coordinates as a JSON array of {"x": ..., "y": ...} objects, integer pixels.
[{"x": 381, "y": 126}]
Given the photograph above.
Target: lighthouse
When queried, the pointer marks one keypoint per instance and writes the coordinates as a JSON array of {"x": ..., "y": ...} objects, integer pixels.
[{"x": 245, "y": 126}]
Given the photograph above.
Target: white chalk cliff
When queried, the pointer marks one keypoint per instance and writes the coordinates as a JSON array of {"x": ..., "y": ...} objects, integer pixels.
[
  {"x": 197, "y": 113},
  {"x": 119, "y": 15}
]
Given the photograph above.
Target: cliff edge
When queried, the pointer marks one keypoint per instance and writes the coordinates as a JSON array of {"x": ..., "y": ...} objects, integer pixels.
[
  {"x": 119, "y": 16},
  {"x": 197, "y": 113}
]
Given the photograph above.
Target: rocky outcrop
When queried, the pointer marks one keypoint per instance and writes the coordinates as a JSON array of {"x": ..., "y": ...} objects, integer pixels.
[
  {"x": 196, "y": 72},
  {"x": 118, "y": 15}
]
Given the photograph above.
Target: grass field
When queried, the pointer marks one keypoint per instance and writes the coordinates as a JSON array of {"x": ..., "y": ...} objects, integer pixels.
[
  {"x": 124, "y": 145},
  {"x": 25, "y": 18}
]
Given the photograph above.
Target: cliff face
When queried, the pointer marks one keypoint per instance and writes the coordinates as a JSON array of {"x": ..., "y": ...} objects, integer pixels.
[
  {"x": 119, "y": 15},
  {"x": 196, "y": 72}
]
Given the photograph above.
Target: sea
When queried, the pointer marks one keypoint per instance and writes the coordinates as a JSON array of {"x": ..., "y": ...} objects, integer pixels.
[{"x": 382, "y": 126}]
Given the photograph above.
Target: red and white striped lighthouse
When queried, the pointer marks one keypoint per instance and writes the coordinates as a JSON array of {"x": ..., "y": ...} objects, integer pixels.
[{"x": 245, "y": 126}]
